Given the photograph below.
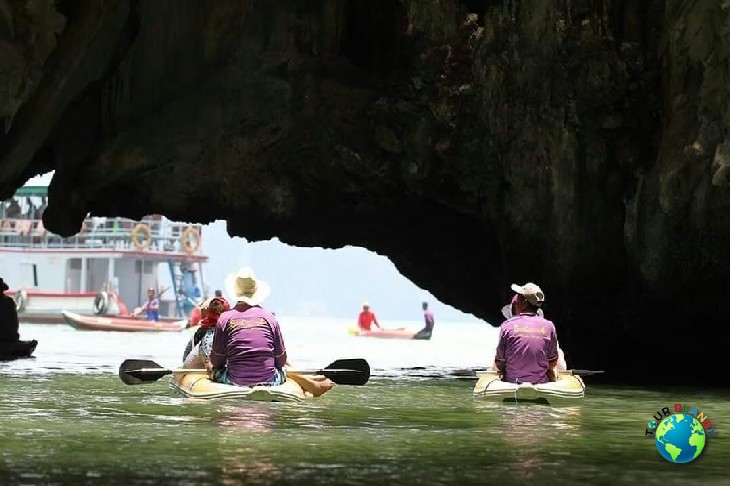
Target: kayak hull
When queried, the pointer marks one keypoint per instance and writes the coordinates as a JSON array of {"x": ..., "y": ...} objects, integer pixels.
[
  {"x": 123, "y": 324},
  {"x": 385, "y": 333},
  {"x": 568, "y": 387},
  {"x": 198, "y": 385},
  {"x": 16, "y": 350}
]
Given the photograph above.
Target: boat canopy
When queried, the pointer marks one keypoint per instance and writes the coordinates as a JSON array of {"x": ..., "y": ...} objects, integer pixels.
[
  {"x": 36, "y": 186},
  {"x": 21, "y": 226}
]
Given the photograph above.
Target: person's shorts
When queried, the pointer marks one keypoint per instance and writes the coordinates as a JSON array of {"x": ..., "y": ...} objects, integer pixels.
[
  {"x": 220, "y": 375},
  {"x": 423, "y": 334}
]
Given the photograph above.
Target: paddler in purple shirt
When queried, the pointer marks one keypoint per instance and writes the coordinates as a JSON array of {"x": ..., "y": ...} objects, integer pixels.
[
  {"x": 248, "y": 347},
  {"x": 425, "y": 333},
  {"x": 527, "y": 351}
]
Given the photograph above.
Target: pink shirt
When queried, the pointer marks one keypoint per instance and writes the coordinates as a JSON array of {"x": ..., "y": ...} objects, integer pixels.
[
  {"x": 527, "y": 343},
  {"x": 250, "y": 344}
]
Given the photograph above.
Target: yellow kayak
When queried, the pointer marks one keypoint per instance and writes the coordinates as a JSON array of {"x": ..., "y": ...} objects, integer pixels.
[
  {"x": 198, "y": 385},
  {"x": 567, "y": 387}
]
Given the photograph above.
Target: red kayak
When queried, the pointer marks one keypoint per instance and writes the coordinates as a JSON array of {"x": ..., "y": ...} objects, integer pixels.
[{"x": 124, "y": 324}]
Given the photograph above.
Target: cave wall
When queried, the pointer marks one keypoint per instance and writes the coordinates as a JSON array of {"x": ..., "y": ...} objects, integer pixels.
[{"x": 579, "y": 144}]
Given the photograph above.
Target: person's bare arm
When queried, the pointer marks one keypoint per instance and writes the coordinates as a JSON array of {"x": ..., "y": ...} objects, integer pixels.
[
  {"x": 552, "y": 371},
  {"x": 552, "y": 355},
  {"x": 499, "y": 357}
]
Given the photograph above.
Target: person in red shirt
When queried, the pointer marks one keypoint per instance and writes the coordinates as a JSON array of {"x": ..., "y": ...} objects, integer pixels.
[{"x": 366, "y": 318}]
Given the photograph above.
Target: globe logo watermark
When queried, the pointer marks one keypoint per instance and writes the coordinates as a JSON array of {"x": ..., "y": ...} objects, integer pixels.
[{"x": 680, "y": 437}]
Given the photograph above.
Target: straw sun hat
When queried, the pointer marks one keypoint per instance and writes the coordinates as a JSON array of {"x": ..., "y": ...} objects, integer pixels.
[{"x": 243, "y": 286}]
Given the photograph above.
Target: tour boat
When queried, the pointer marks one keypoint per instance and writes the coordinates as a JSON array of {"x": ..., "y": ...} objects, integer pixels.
[{"x": 109, "y": 265}]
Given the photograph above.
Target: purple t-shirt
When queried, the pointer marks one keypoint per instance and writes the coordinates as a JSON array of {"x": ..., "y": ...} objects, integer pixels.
[
  {"x": 527, "y": 343},
  {"x": 250, "y": 344}
]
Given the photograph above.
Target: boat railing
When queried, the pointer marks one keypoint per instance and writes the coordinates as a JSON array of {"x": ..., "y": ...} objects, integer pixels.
[{"x": 153, "y": 233}]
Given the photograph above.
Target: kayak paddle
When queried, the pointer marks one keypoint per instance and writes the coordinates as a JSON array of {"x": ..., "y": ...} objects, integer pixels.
[
  {"x": 136, "y": 371},
  {"x": 586, "y": 372},
  {"x": 354, "y": 371},
  {"x": 472, "y": 374},
  {"x": 349, "y": 371}
]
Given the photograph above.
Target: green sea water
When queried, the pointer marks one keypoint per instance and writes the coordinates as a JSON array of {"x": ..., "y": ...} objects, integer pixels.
[{"x": 67, "y": 419}]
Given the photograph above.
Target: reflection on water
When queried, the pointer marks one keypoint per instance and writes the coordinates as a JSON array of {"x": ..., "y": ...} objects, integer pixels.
[
  {"x": 242, "y": 462},
  {"x": 253, "y": 416},
  {"x": 535, "y": 430},
  {"x": 68, "y": 419},
  {"x": 537, "y": 425}
]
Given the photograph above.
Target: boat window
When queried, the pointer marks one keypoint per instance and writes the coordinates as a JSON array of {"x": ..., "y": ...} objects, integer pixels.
[
  {"x": 28, "y": 274},
  {"x": 148, "y": 267},
  {"x": 73, "y": 275}
]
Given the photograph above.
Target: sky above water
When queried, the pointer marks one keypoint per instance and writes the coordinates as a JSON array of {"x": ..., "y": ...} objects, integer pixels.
[{"x": 318, "y": 281}]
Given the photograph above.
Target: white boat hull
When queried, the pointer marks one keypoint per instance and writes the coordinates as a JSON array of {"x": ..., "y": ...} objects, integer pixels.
[
  {"x": 568, "y": 387},
  {"x": 46, "y": 307}
]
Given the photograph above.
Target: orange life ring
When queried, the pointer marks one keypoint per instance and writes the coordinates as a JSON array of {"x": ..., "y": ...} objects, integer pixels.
[
  {"x": 138, "y": 243},
  {"x": 190, "y": 240}
]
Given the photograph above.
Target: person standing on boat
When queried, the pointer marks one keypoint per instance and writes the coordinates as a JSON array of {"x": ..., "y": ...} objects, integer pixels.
[
  {"x": 8, "y": 316},
  {"x": 425, "y": 333},
  {"x": 12, "y": 210},
  {"x": 367, "y": 318},
  {"x": 151, "y": 307},
  {"x": 527, "y": 351},
  {"x": 248, "y": 347}
]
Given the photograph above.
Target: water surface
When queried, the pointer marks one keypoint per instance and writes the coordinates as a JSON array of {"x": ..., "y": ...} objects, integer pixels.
[{"x": 68, "y": 419}]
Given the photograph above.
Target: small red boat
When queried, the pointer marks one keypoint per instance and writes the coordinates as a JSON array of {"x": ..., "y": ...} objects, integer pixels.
[
  {"x": 122, "y": 323},
  {"x": 399, "y": 333}
]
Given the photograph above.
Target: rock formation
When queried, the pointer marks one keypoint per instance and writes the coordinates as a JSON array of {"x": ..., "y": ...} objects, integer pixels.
[{"x": 580, "y": 144}]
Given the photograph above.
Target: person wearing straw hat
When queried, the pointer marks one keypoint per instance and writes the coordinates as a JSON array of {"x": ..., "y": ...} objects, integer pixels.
[
  {"x": 527, "y": 351},
  {"x": 248, "y": 347}
]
